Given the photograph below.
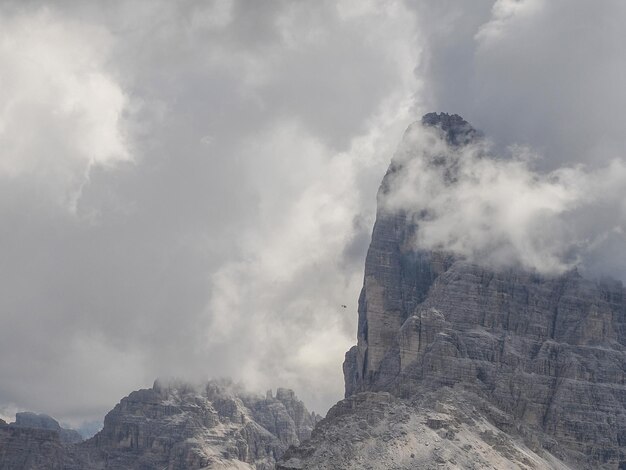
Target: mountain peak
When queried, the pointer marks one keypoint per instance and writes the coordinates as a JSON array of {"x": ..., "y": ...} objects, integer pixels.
[
  {"x": 431, "y": 320},
  {"x": 27, "y": 419},
  {"x": 33, "y": 420},
  {"x": 457, "y": 131}
]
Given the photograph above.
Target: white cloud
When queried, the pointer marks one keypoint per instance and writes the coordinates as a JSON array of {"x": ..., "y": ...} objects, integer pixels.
[
  {"x": 281, "y": 303},
  {"x": 542, "y": 73},
  {"x": 502, "y": 211},
  {"x": 258, "y": 134},
  {"x": 60, "y": 109},
  {"x": 502, "y": 13}
]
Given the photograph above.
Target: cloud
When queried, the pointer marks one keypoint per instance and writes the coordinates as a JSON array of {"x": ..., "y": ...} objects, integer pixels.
[
  {"x": 534, "y": 72},
  {"x": 503, "y": 211},
  {"x": 221, "y": 188},
  {"x": 220, "y": 161},
  {"x": 60, "y": 109}
]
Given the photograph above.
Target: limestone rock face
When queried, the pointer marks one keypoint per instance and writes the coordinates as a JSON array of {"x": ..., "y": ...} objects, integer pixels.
[
  {"x": 548, "y": 352},
  {"x": 34, "y": 449},
  {"x": 181, "y": 427},
  {"x": 27, "y": 419},
  {"x": 175, "y": 426},
  {"x": 284, "y": 416},
  {"x": 29, "y": 448}
]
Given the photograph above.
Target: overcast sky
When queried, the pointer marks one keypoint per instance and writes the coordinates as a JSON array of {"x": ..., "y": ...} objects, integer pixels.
[{"x": 188, "y": 188}]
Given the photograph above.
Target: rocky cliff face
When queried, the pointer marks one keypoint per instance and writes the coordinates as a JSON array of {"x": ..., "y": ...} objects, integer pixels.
[
  {"x": 548, "y": 352},
  {"x": 42, "y": 421},
  {"x": 174, "y": 426},
  {"x": 29, "y": 448},
  {"x": 181, "y": 427},
  {"x": 37, "y": 442},
  {"x": 36, "y": 449}
]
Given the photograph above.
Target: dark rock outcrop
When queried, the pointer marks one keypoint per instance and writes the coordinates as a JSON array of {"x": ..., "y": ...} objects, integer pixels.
[
  {"x": 30, "y": 448},
  {"x": 26, "y": 419},
  {"x": 35, "y": 449},
  {"x": 37, "y": 442}
]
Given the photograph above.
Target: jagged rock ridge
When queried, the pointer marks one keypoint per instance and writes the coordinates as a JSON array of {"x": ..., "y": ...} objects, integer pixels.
[{"x": 175, "y": 426}]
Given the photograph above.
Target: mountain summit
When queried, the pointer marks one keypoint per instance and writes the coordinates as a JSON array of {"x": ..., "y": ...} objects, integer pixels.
[
  {"x": 492, "y": 367},
  {"x": 457, "y": 131}
]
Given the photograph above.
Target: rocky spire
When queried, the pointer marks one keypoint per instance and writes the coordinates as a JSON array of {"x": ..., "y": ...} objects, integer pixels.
[
  {"x": 457, "y": 131},
  {"x": 548, "y": 353}
]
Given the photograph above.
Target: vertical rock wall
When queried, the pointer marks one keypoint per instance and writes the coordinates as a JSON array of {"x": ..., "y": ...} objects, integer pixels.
[{"x": 551, "y": 352}]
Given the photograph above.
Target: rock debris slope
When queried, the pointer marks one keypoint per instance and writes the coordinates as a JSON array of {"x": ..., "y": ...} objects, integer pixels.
[{"x": 526, "y": 367}]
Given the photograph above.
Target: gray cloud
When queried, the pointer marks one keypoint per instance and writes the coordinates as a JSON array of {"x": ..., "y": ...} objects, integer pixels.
[
  {"x": 187, "y": 188},
  {"x": 543, "y": 75},
  {"x": 212, "y": 241},
  {"x": 534, "y": 72},
  {"x": 501, "y": 211}
]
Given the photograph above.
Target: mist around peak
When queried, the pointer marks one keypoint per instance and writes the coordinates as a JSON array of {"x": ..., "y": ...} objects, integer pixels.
[{"x": 499, "y": 209}]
